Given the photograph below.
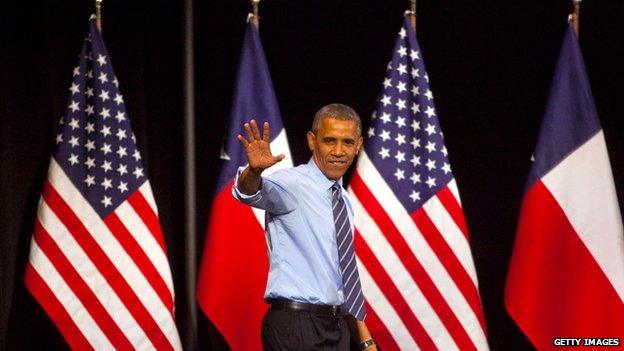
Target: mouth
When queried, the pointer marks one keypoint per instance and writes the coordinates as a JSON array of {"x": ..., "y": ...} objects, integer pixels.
[{"x": 339, "y": 163}]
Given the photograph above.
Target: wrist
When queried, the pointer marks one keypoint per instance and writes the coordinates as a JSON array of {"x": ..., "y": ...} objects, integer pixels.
[{"x": 367, "y": 343}]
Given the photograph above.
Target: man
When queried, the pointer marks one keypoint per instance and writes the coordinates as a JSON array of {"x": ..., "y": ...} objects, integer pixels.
[{"x": 313, "y": 285}]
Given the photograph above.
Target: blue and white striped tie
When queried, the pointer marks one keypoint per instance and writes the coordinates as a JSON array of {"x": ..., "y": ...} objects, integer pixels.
[{"x": 354, "y": 300}]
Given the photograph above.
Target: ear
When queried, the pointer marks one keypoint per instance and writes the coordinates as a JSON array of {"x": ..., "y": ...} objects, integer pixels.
[
  {"x": 311, "y": 138},
  {"x": 359, "y": 145}
]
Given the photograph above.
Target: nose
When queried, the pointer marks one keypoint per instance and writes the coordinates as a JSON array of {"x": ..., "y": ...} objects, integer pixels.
[{"x": 338, "y": 150}]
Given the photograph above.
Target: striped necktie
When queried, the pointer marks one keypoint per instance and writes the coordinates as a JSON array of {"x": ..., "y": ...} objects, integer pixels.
[{"x": 354, "y": 300}]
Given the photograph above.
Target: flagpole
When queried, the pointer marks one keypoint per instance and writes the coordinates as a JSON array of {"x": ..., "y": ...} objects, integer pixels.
[
  {"x": 98, "y": 14},
  {"x": 412, "y": 14},
  {"x": 189, "y": 320},
  {"x": 575, "y": 17},
  {"x": 255, "y": 18}
]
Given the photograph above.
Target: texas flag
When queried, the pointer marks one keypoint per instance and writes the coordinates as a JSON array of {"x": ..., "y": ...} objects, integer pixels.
[
  {"x": 566, "y": 278},
  {"x": 234, "y": 267}
]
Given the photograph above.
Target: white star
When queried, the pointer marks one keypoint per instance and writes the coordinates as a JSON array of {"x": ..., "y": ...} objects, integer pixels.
[
  {"x": 427, "y": 77},
  {"x": 402, "y": 69},
  {"x": 402, "y": 51},
  {"x": 443, "y": 151},
  {"x": 414, "y": 55},
  {"x": 62, "y": 121},
  {"x": 374, "y": 115},
  {"x": 74, "y": 124},
  {"x": 415, "y": 73},
  {"x": 90, "y": 74},
  {"x": 431, "y": 146},
  {"x": 105, "y": 130},
  {"x": 430, "y": 129},
  {"x": 399, "y": 174},
  {"x": 134, "y": 138},
  {"x": 389, "y": 66},
  {"x": 120, "y": 116},
  {"x": 386, "y": 100},
  {"x": 400, "y": 139},
  {"x": 431, "y": 182},
  {"x": 385, "y": 135},
  {"x": 415, "y": 108},
  {"x": 101, "y": 59},
  {"x": 123, "y": 186},
  {"x": 106, "y": 148},
  {"x": 401, "y": 87},
  {"x": 107, "y": 183},
  {"x": 138, "y": 172},
  {"x": 387, "y": 83},
  {"x": 59, "y": 138},
  {"x": 89, "y": 92},
  {"x": 106, "y": 166},
  {"x": 371, "y": 132},
  {"x": 415, "y": 90},
  {"x": 415, "y": 143},
  {"x": 75, "y": 88},
  {"x": 415, "y": 125},
  {"x": 105, "y": 113},
  {"x": 415, "y": 178},
  {"x": 446, "y": 168},
  {"x": 400, "y": 156},
  {"x": 74, "y": 106},
  {"x": 73, "y": 159},
  {"x": 122, "y": 169},
  {"x": 429, "y": 94},
  {"x": 402, "y": 33},
  {"x": 89, "y": 110},
  {"x": 384, "y": 153},
  {"x": 90, "y": 145},
  {"x": 430, "y": 164},
  {"x": 118, "y": 99},
  {"x": 106, "y": 201},
  {"x": 400, "y": 104},
  {"x": 90, "y": 180},
  {"x": 415, "y": 196},
  {"x": 385, "y": 117},
  {"x": 103, "y": 77},
  {"x": 430, "y": 111},
  {"x": 116, "y": 82},
  {"x": 76, "y": 71},
  {"x": 74, "y": 141},
  {"x": 121, "y": 152},
  {"x": 136, "y": 155},
  {"x": 104, "y": 95},
  {"x": 415, "y": 160},
  {"x": 121, "y": 134},
  {"x": 400, "y": 122},
  {"x": 90, "y": 162},
  {"x": 90, "y": 127}
]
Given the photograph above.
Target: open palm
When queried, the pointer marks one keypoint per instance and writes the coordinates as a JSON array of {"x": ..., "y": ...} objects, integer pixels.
[{"x": 258, "y": 147}]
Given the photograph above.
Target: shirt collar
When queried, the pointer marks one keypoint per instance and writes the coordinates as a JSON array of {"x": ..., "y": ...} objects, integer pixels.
[{"x": 319, "y": 178}]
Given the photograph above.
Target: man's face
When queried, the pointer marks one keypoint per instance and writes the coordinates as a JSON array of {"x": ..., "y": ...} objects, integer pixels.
[{"x": 334, "y": 146}]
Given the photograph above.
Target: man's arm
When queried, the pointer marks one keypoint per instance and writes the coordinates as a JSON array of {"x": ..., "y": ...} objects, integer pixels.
[
  {"x": 258, "y": 154},
  {"x": 359, "y": 332}
]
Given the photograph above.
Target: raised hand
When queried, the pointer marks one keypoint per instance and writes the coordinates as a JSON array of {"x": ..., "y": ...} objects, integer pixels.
[{"x": 258, "y": 147}]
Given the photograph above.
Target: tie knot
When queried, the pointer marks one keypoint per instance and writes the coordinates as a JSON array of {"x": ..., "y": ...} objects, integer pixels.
[{"x": 335, "y": 189}]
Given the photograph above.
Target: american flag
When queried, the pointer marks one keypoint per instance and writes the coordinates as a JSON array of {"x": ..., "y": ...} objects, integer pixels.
[
  {"x": 411, "y": 239},
  {"x": 98, "y": 264}
]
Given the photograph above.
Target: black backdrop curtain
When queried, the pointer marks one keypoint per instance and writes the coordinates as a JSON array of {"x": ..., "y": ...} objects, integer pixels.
[{"x": 490, "y": 65}]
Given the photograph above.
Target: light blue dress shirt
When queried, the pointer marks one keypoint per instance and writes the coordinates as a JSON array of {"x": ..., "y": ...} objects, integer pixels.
[{"x": 299, "y": 224}]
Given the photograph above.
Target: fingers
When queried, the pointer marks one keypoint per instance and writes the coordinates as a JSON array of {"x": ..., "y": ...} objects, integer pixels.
[
  {"x": 279, "y": 157},
  {"x": 254, "y": 129},
  {"x": 242, "y": 141},
  {"x": 247, "y": 128},
  {"x": 266, "y": 133}
]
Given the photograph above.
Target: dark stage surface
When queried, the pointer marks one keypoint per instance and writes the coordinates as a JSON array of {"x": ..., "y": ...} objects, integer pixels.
[{"x": 490, "y": 64}]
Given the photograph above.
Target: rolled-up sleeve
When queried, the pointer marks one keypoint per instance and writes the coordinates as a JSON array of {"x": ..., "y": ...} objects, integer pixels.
[{"x": 273, "y": 196}]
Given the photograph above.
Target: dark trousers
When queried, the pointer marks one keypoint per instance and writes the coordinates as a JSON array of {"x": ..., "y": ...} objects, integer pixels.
[{"x": 302, "y": 330}]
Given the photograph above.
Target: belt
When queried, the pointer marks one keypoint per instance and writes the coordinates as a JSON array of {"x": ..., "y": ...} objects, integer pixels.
[{"x": 286, "y": 305}]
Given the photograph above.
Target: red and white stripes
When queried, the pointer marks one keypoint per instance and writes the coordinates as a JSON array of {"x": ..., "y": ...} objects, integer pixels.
[
  {"x": 105, "y": 283},
  {"x": 417, "y": 270}
]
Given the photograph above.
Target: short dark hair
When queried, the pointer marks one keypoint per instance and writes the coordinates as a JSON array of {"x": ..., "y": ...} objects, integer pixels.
[{"x": 337, "y": 111}]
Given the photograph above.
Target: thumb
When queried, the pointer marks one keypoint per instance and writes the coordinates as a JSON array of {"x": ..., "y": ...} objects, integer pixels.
[{"x": 279, "y": 157}]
